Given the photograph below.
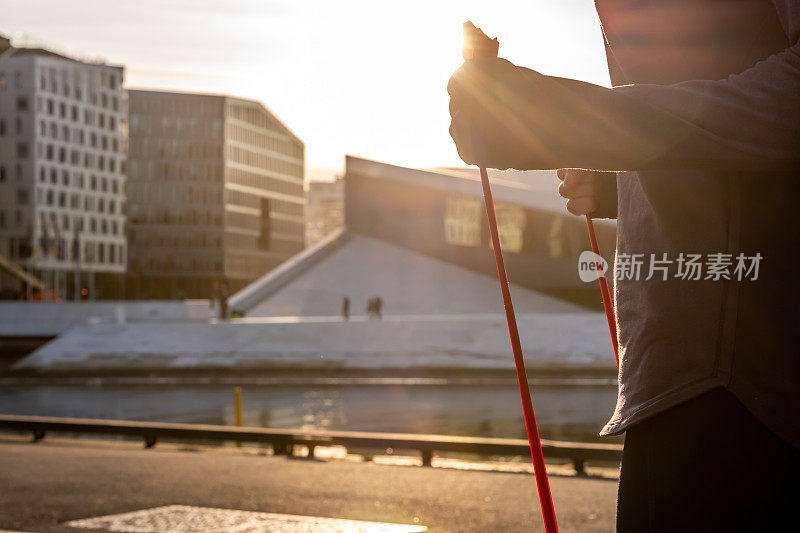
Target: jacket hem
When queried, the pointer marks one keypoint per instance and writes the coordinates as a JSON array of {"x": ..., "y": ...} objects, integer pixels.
[{"x": 660, "y": 403}]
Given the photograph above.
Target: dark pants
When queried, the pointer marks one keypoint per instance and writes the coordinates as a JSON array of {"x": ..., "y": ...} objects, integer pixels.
[{"x": 707, "y": 465}]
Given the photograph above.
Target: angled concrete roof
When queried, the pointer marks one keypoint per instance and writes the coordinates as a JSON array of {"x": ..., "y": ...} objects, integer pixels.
[{"x": 409, "y": 283}]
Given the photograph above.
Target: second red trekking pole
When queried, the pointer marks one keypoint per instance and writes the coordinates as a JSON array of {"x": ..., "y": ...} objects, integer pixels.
[
  {"x": 475, "y": 44},
  {"x": 608, "y": 304}
]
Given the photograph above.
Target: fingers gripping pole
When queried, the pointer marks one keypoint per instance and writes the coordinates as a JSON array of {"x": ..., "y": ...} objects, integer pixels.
[
  {"x": 607, "y": 303},
  {"x": 545, "y": 498}
]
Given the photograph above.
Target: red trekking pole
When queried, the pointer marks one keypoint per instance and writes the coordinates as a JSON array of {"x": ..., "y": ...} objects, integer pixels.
[
  {"x": 477, "y": 44},
  {"x": 608, "y": 305}
]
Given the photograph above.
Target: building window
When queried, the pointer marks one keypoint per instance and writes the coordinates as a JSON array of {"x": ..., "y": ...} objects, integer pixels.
[
  {"x": 22, "y": 103},
  {"x": 264, "y": 225},
  {"x": 2, "y": 174},
  {"x": 22, "y": 150},
  {"x": 2, "y": 128},
  {"x": 22, "y": 196}
]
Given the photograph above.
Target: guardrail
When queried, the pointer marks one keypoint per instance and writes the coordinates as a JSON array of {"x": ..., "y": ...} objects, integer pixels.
[{"x": 284, "y": 440}]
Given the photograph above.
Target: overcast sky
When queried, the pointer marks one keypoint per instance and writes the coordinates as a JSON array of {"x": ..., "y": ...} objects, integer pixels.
[{"x": 361, "y": 77}]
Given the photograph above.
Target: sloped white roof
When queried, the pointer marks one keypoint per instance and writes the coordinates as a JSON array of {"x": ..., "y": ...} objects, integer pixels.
[{"x": 409, "y": 283}]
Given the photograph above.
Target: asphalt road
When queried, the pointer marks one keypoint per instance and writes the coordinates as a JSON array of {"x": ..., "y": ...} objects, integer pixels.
[{"x": 43, "y": 485}]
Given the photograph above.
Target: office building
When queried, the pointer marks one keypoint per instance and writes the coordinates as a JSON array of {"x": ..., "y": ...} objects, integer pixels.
[
  {"x": 62, "y": 173},
  {"x": 324, "y": 209},
  {"x": 215, "y": 193}
]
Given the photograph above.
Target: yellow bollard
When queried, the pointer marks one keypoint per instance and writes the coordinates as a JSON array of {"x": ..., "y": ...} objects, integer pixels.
[{"x": 237, "y": 395}]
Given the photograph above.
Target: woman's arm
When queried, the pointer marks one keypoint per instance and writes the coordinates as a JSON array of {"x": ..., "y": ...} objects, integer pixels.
[{"x": 512, "y": 117}]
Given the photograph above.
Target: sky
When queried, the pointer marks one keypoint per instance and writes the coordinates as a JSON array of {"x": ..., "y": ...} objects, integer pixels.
[{"x": 360, "y": 77}]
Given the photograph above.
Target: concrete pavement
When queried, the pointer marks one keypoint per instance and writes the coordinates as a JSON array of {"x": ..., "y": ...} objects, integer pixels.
[{"x": 44, "y": 485}]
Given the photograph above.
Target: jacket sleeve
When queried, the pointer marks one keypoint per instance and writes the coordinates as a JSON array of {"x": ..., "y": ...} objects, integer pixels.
[
  {"x": 750, "y": 120},
  {"x": 606, "y": 195}
]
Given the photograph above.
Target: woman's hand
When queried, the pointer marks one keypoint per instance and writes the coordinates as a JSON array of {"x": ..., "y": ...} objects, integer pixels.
[
  {"x": 484, "y": 109},
  {"x": 580, "y": 188}
]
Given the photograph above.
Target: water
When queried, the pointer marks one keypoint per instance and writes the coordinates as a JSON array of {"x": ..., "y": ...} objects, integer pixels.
[{"x": 564, "y": 412}]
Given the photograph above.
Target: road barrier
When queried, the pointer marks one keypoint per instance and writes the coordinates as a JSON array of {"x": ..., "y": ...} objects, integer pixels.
[{"x": 283, "y": 441}]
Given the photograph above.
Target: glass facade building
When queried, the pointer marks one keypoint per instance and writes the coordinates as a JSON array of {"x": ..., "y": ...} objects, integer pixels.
[{"x": 215, "y": 192}]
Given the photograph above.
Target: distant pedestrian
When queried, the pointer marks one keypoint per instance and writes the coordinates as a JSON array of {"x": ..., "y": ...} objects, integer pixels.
[
  {"x": 346, "y": 308},
  {"x": 223, "y": 299},
  {"x": 216, "y": 312},
  {"x": 371, "y": 307},
  {"x": 379, "y": 307}
]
